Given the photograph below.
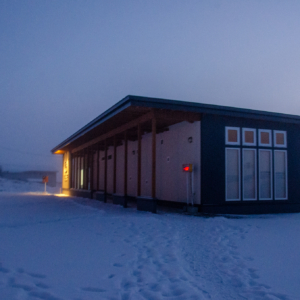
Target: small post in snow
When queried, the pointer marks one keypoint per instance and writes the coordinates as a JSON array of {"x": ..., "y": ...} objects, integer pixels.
[
  {"x": 189, "y": 170},
  {"x": 45, "y": 180}
]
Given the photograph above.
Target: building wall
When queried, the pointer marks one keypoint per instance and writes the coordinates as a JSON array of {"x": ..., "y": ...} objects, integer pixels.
[
  {"x": 95, "y": 157},
  {"x": 132, "y": 168},
  {"x": 213, "y": 160},
  {"x": 146, "y": 164},
  {"x": 101, "y": 169},
  {"x": 172, "y": 150}
]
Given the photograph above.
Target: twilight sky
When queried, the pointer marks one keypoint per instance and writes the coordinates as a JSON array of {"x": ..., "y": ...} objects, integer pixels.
[{"x": 62, "y": 63}]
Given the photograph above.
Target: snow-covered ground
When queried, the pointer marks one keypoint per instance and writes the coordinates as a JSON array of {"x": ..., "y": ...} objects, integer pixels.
[{"x": 55, "y": 247}]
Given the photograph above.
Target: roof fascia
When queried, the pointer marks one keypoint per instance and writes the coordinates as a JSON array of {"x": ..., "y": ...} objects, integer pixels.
[
  {"x": 161, "y": 103},
  {"x": 213, "y": 109},
  {"x": 115, "y": 109}
]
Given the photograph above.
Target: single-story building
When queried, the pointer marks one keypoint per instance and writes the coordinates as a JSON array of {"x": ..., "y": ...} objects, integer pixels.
[{"x": 240, "y": 160}]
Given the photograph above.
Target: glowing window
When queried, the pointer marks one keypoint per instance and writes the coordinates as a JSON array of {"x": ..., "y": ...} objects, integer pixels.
[
  {"x": 232, "y": 135},
  {"x": 265, "y": 137},
  {"x": 249, "y": 137},
  {"x": 279, "y": 138},
  {"x": 81, "y": 178}
]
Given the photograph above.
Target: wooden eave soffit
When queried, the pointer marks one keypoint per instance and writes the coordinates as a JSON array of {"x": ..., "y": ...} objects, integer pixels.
[{"x": 166, "y": 116}]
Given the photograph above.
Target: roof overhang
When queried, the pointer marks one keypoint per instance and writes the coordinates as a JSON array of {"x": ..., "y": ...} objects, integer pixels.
[{"x": 133, "y": 110}]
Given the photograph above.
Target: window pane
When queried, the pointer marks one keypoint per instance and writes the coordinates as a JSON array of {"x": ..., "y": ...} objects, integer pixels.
[
  {"x": 249, "y": 137},
  {"x": 232, "y": 136},
  {"x": 81, "y": 179},
  {"x": 81, "y": 172},
  {"x": 279, "y": 138},
  {"x": 232, "y": 174},
  {"x": 78, "y": 173},
  {"x": 265, "y": 138},
  {"x": 265, "y": 174},
  {"x": 73, "y": 173},
  {"x": 280, "y": 174},
  {"x": 249, "y": 174}
]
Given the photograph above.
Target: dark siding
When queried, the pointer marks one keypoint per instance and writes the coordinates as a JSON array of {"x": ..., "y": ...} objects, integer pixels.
[
  {"x": 293, "y": 146},
  {"x": 213, "y": 161}
]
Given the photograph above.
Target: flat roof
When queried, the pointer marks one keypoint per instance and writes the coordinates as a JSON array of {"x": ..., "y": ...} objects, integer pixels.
[{"x": 122, "y": 108}]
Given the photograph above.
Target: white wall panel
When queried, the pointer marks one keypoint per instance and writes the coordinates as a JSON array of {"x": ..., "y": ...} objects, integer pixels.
[
  {"x": 132, "y": 169},
  {"x": 101, "y": 171},
  {"x": 120, "y": 170},
  {"x": 146, "y": 180},
  {"x": 110, "y": 170},
  {"x": 171, "y": 154}
]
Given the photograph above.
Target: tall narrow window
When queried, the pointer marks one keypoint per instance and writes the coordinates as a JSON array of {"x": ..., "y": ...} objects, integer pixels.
[
  {"x": 265, "y": 175},
  {"x": 78, "y": 172},
  {"x": 249, "y": 174},
  {"x": 73, "y": 173},
  {"x": 233, "y": 174},
  {"x": 280, "y": 173},
  {"x": 82, "y": 172}
]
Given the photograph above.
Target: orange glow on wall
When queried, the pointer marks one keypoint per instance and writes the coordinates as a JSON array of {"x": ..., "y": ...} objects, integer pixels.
[{"x": 59, "y": 152}]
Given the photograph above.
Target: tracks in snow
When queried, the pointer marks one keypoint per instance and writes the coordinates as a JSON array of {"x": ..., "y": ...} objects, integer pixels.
[
  {"x": 156, "y": 272},
  {"x": 20, "y": 285},
  {"x": 210, "y": 250}
]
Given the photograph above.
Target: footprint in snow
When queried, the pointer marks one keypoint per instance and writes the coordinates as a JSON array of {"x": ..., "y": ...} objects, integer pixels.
[
  {"x": 24, "y": 287},
  {"x": 42, "y": 285},
  {"x": 249, "y": 258},
  {"x": 4, "y": 270},
  {"x": 94, "y": 290},
  {"x": 126, "y": 284},
  {"x": 36, "y": 275},
  {"x": 43, "y": 295},
  {"x": 118, "y": 265}
]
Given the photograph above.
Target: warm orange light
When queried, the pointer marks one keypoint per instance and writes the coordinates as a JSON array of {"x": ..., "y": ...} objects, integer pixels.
[
  {"x": 61, "y": 195},
  {"x": 59, "y": 152}
]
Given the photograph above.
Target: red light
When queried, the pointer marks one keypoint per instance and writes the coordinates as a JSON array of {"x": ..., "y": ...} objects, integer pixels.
[{"x": 187, "y": 168}]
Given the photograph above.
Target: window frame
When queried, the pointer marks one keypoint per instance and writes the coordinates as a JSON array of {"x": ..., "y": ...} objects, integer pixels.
[
  {"x": 238, "y": 136},
  {"x": 286, "y": 174},
  {"x": 255, "y": 172},
  {"x": 259, "y": 140},
  {"x": 244, "y": 143},
  {"x": 239, "y": 173},
  {"x": 285, "y": 139}
]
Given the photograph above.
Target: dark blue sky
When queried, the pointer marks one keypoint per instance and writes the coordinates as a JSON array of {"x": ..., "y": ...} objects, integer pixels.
[{"x": 62, "y": 63}]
